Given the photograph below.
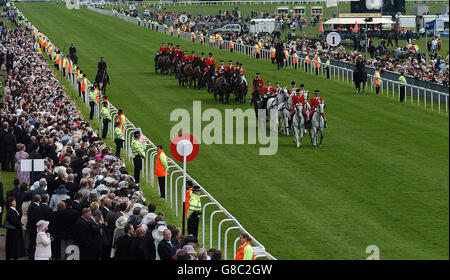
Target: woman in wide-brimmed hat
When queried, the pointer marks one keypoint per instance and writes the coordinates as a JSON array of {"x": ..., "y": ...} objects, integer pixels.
[{"x": 43, "y": 241}]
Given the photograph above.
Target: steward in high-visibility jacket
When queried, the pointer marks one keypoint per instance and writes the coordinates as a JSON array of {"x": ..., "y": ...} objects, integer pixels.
[
  {"x": 187, "y": 197},
  {"x": 220, "y": 41},
  {"x": 295, "y": 60},
  {"x": 201, "y": 38},
  {"x": 403, "y": 83},
  {"x": 84, "y": 83},
  {"x": 161, "y": 170},
  {"x": 231, "y": 45},
  {"x": 327, "y": 67},
  {"x": 106, "y": 116},
  {"x": 65, "y": 61},
  {"x": 119, "y": 138},
  {"x": 245, "y": 251},
  {"x": 194, "y": 211},
  {"x": 317, "y": 64},
  {"x": 308, "y": 62},
  {"x": 257, "y": 51},
  {"x": 138, "y": 154},
  {"x": 121, "y": 118},
  {"x": 92, "y": 97},
  {"x": 57, "y": 60},
  {"x": 193, "y": 37},
  {"x": 272, "y": 54},
  {"x": 377, "y": 81}
]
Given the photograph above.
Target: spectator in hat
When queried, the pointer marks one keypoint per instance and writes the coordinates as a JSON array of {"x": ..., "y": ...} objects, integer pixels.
[
  {"x": 43, "y": 241},
  {"x": 119, "y": 231},
  {"x": 190, "y": 251},
  {"x": 60, "y": 195}
]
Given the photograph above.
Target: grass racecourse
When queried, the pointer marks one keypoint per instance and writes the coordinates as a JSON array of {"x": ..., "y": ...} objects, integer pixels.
[{"x": 380, "y": 178}]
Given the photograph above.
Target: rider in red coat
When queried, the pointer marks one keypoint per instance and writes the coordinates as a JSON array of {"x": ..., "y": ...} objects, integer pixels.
[
  {"x": 185, "y": 57},
  {"x": 314, "y": 102},
  {"x": 192, "y": 56},
  {"x": 163, "y": 48},
  {"x": 221, "y": 68},
  {"x": 209, "y": 61},
  {"x": 258, "y": 83},
  {"x": 230, "y": 66}
]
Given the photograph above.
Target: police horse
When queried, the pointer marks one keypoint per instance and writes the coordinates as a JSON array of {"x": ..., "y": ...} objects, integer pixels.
[{"x": 102, "y": 79}]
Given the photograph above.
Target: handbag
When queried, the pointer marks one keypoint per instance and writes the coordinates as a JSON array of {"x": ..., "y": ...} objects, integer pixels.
[{"x": 8, "y": 225}]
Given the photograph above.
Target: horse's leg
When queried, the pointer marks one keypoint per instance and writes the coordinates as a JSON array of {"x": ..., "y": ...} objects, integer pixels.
[{"x": 321, "y": 136}]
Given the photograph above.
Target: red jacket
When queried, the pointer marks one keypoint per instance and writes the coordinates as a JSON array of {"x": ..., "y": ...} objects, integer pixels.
[
  {"x": 177, "y": 51},
  {"x": 314, "y": 102},
  {"x": 220, "y": 67},
  {"x": 296, "y": 100},
  {"x": 210, "y": 61},
  {"x": 228, "y": 67},
  {"x": 269, "y": 89},
  {"x": 191, "y": 57},
  {"x": 258, "y": 83}
]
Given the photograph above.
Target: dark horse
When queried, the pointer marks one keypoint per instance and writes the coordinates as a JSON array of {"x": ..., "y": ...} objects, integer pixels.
[
  {"x": 192, "y": 72},
  {"x": 256, "y": 100},
  {"x": 102, "y": 79},
  {"x": 208, "y": 77},
  {"x": 163, "y": 63},
  {"x": 360, "y": 76},
  {"x": 240, "y": 87},
  {"x": 279, "y": 57},
  {"x": 224, "y": 86}
]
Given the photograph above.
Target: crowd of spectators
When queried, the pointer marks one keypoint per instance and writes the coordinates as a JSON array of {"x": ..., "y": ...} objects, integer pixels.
[
  {"x": 411, "y": 63},
  {"x": 84, "y": 196}
]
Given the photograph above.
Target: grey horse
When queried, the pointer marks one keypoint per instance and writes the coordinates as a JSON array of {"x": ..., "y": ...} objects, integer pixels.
[{"x": 298, "y": 123}]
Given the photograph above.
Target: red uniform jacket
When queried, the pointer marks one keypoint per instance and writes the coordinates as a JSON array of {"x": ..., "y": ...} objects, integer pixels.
[
  {"x": 257, "y": 83},
  {"x": 191, "y": 57},
  {"x": 267, "y": 90},
  {"x": 228, "y": 67},
  {"x": 314, "y": 102},
  {"x": 177, "y": 51},
  {"x": 298, "y": 99},
  {"x": 220, "y": 67}
]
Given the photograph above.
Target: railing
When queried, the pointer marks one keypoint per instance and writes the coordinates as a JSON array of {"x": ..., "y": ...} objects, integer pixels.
[
  {"x": 388, "y": 87},
  {"x": 172, "y": 189}
]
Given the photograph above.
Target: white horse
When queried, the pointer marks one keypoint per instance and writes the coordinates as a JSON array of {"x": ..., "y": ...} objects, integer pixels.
[
  {"x": 284, "y": 111},
  {"x": 298, "y": 122},
  {"x": 317, "y": 124},
  {"x": 275, "y": 101}
]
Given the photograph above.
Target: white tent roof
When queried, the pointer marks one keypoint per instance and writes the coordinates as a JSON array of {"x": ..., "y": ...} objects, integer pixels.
[{"x": 360, "y": 21}]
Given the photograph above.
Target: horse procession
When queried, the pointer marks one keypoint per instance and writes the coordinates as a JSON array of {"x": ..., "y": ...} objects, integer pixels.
[{"x": 295, "y": 114}]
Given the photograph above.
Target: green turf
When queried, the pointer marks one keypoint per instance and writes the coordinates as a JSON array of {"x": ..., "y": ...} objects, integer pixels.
[{"x": 381, "y": 177}]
